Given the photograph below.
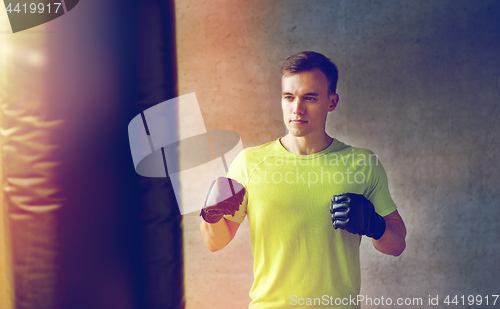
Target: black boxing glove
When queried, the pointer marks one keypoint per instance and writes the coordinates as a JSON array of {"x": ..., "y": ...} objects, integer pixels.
[
  {"x": 356, "y": 214},
  {"x": 224, "y": 197}
]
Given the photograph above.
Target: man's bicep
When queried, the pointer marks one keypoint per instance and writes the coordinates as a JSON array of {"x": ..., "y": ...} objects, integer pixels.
[
  {"x": 233, "y": 227},
  {"x": 394, "y": 218}
]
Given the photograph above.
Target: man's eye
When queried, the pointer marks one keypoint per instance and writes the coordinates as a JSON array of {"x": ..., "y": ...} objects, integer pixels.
[
  {"x": 310, "y": 98},
  {"x": 288, "y": 98}
]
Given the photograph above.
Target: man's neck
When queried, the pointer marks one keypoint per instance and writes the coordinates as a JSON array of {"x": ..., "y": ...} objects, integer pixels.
[{"x": 305, "y": 145}]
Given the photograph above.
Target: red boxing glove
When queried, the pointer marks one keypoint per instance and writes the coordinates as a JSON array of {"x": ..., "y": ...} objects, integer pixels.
[{"x": 224, "y": 197}]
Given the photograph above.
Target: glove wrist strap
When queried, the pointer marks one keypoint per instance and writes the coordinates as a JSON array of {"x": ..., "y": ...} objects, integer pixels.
[
  {"x": 210, "y": 219},
  {"x": 378, "y": 229}
]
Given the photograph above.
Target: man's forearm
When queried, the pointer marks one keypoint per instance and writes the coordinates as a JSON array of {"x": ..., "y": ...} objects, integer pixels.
[
  {"x": 217, "y": 235},
  {"x": 393, "y": 241}
]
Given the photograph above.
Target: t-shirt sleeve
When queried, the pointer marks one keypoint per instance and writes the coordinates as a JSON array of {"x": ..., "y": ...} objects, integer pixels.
[
  {"x": 238, "y": 171},
  {"x": 377, "y": 190}
]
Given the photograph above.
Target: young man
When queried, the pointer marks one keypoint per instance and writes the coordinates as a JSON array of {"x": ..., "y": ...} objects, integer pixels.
[{"x": 294, "y": 189}]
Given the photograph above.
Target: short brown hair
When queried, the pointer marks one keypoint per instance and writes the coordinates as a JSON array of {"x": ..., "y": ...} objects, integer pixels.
[{"x": 309, "y": 60}]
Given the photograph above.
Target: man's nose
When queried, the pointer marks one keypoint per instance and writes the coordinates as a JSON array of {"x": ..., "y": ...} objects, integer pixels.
[{"x": 298, "y": 107}]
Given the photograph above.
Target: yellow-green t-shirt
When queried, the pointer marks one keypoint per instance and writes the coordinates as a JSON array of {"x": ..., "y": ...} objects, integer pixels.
[{"x": 300, "y": 260}]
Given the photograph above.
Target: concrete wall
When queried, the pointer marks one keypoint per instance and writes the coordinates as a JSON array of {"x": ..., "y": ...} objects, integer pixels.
[{"x": 419, "y": 85}]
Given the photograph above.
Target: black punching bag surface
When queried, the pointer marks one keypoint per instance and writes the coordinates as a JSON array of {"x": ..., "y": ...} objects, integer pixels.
[
  {"x": 158, "y": 253},
  {"x": 85, "y": 230}
]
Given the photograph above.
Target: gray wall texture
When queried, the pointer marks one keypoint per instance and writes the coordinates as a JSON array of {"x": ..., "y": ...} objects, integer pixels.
[{"x": 419, "y": 85}]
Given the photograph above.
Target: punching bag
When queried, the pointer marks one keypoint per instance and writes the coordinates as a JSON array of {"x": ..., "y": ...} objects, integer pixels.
[{"x": 85, "y": 231}]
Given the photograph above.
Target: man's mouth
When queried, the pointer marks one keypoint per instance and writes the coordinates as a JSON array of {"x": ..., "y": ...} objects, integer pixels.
[{"x": 297, "y": 121}]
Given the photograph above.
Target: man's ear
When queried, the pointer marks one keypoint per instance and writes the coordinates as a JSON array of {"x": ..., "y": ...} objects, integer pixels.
[{"x": 333, "y": 100}]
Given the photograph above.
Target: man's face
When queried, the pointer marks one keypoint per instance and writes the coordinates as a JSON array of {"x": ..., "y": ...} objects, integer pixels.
[{"x": 306, "y": 103}]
